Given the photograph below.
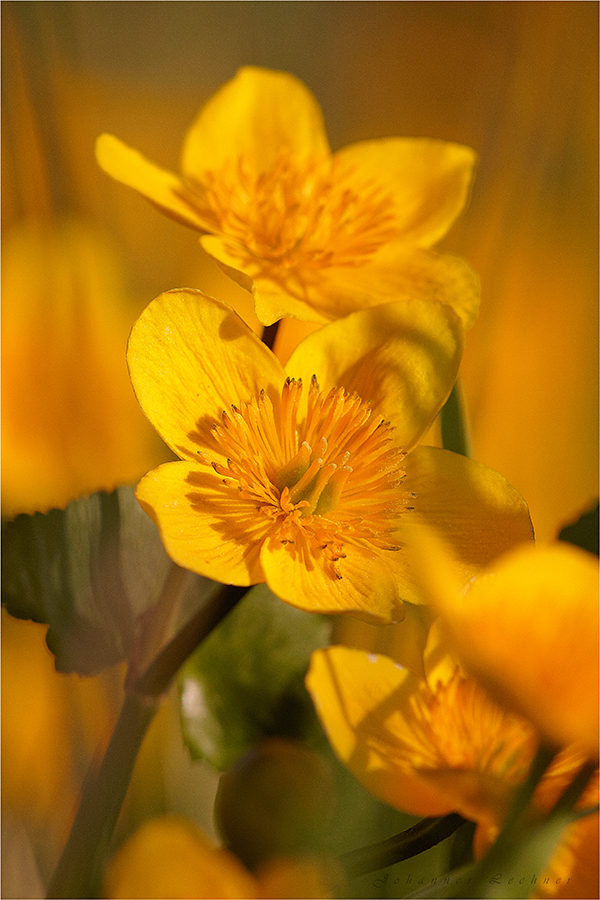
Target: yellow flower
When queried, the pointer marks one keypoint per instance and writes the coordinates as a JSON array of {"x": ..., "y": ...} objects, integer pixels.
[
  {"x": 169, "y": 857},
  {"x": 69, "y": 423},
  {"x": 528, "y": 631},
  {"x": 314, "y": 235},
  {"x": 440, "y": 745},
  {"x": 299, "y": 476}
]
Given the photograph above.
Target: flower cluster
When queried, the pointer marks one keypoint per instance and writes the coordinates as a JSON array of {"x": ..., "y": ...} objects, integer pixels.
[{"x": 320, "y": 473}]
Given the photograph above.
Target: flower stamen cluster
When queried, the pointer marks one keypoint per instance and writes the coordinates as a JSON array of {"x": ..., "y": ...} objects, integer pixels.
[
  {"x": 309, "y": 216},
  {"x": 323, "y": 478}
]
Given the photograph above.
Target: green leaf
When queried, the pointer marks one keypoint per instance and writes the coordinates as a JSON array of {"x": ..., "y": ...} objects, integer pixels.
[
  {"x": 246, "y": 681},
  {"x": 584, "y": 532},
  {"x": 92, "y": 572}
]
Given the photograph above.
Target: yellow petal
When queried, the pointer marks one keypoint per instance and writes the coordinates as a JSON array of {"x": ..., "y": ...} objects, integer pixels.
[
  {"x": 256, "y": 114},
  {"x": 162, "y": 188},
  {"x": 402, "y": 357},
  {"x": 287, "y": 879},
  {"x": 70, "y": 423},
  {"x": 528, "y": 630},
  {"x": 191, "y": 357},
  {"x": 405, "y": 642},
  {"x": 428, "y": 179},
  {"x": 395, "y": 272},
  {"x": 204, "y": 524},
  {"x": 169, "y": 857},
  {"x": 300, "y": 575},
  {"x": 472, "y": 508},
  {"x": 360, "y": 699}
]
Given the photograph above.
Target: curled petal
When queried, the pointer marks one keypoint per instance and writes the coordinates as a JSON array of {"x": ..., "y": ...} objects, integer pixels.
[
  {"x": 403, "y": 357},
  {"x": 190, "y": 357}
]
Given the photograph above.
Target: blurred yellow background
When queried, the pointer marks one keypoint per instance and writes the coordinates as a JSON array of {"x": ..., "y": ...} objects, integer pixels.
[{"x": 83, "y": 255}]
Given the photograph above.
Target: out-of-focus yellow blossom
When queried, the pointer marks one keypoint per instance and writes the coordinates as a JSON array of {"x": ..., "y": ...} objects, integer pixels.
[
  {"x": 441, "y": 745},
  {"x": 70, "y": 424},
  {"x": 314, "y": 235},
  {"x": 170, "y": 857},
  {"x": 306, "y": 477},
  {"x": 528, "y": 631},
  {"x": 51, "y": 726}
]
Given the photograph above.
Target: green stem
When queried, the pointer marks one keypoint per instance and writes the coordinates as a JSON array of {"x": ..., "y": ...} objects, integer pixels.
[
  {"x": 79, "y": 867},
  {"x": 453, "y": 422},
  {"x": 506, "y": 840},
  {"x": 409, "y": 843}
]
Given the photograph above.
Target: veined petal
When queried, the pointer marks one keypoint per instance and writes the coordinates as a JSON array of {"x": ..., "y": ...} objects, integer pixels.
[
  {"x": 473, "y": 509},
  {"x": 360, "y": 699},
  {"x": 190, "y": 357},
  {"x": 428, "y": 179},
  {"x": 528, "y": 630},
  {"x": 161, "y": 187},
  {"x": 301, "y": 576},
  {"x": 205, "y": 525},
  {"x": 401, "y": 357},
  {"x": 254, "y": 115}
]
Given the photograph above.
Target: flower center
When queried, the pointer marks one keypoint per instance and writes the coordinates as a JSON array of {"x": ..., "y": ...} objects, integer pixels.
[
  {"x": 325, "y": 477},
  {"x": 459, "y": 727},
  {"x": 306, "y": 216}
]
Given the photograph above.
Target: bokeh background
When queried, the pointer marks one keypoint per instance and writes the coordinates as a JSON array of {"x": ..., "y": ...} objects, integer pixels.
[{"x": 82, "y": 256}]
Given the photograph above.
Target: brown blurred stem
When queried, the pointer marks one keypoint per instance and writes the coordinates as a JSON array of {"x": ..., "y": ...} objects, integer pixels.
[{"x": 79, "y": 868}]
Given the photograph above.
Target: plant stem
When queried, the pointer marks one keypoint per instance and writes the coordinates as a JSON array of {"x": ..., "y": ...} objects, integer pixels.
[
  {"x": 79, "y": 867},
  {"x": 453, "y": 422},
  {"x": 507, "y": 839},
  {"x": 159, "y": 673},
  {"x": 409, "y": 843}
]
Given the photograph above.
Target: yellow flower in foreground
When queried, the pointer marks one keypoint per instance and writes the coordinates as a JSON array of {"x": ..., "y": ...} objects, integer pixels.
[
  {"x": 528, "y": 631},
  {"x": 169, "y": 857},
  {"x": 314, "y": 235},
  {"x": 300, "y": 476},
  {"x": 441, "y": 745}
]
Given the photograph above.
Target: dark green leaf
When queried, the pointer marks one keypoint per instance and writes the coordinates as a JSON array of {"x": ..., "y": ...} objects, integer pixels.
[
  {"x": 247, "y": 679},
  {"x": 91, "y": 572},
  {"x": 584, "y": 532}
]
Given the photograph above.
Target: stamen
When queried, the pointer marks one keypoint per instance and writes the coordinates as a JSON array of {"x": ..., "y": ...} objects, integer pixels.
[
  {"x": 303, "y": 216},
  {"x": 325, "y": 479}
]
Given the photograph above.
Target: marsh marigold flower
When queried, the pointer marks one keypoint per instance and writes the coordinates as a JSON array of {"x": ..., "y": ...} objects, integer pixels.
[
  {"x": 439, "y": 745},
  {"x": 313, "y": 235},
  {"x": 527, "y": 629},
  {"x": 308, "y": 477}
]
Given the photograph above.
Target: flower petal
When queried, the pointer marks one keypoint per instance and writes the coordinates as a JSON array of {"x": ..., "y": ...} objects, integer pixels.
[
  {"x": 402, "y": 357},
  {"x": 255, "y": 114},
  {"x": 204, "y": 524},
  {"x": 395, "y": 272},
  {"x": 360, "y": 698},
  {"x": 528, "y": 631},
  {"x": 161, "y": 187},
  {"x": 300, "y": 575},
  {"x": 169, "y": 857},
  {"x": 428, "y": 179},
  {"x": 190, "y": 357},
  {"x": 472, "y": 508}
]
